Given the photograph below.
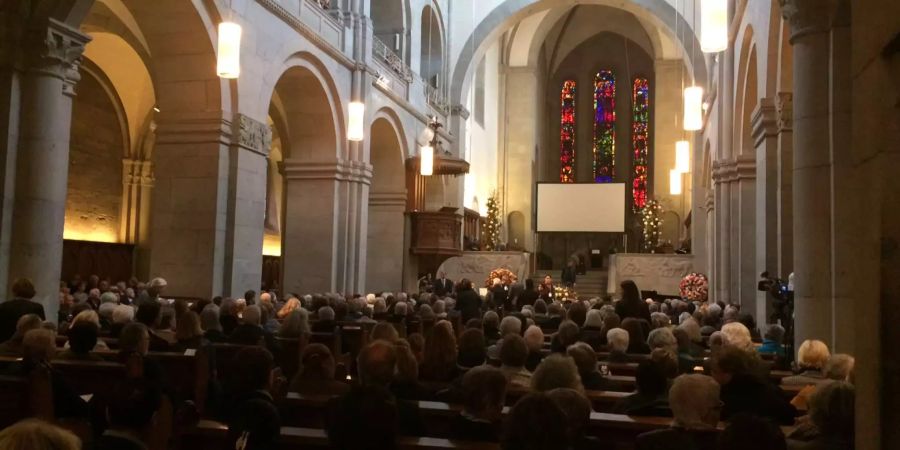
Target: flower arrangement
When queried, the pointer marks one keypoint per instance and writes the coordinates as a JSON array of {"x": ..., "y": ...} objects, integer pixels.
[
  {"x": 694, "y": 287},
  {"x": 564, "y": 294},
  {"x": 500, "y": 273}
]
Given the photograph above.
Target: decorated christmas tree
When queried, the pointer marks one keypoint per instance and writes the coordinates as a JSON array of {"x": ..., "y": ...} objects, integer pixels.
[
  {"x": 492, "y": 224},
  {"x": 651, "y": 219}
]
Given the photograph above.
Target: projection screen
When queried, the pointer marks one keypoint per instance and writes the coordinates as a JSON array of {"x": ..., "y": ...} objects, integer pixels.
[{"x": 584, "y": 207}]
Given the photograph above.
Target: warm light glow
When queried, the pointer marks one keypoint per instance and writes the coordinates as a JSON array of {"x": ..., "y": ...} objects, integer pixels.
[
  {"x": 683, "y": 156},
  {"x": 355, "y": 126},
  {"x": 693, "y": 108},
  {"x": 229, "y": 58},
  {"x": 91, "y": 236},
  {"x": 674, "y": 182},
  {"x": 713, "y": 25},
  {"x": 426, "y": 161},
  {"x": 271, "y": 245}
]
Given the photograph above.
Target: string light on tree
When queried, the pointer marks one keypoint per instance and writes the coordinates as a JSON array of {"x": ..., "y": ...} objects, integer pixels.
[
  {"x": 492, "y": 224},
  {"x": 651, "y": 219}
]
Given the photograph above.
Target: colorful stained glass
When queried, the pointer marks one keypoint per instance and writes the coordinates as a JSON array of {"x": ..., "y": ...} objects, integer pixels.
[
  {"x": 604, "y": 127},
  {"x": 640, "y": 123},
  {"x": 567, "y": 133}
]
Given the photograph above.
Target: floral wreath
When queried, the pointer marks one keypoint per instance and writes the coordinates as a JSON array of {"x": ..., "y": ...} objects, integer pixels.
[
  {"x": 500, "y": 273},
  {"x": 694, "y": 287}
]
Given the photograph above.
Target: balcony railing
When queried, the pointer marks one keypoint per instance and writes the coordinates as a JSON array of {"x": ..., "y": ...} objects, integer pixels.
[
  {"x": 394, "y": 62},
  {"x": 437, "y": 99}
]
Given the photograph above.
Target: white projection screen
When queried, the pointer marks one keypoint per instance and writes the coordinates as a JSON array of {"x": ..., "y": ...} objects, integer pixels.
[{"x": 583, "y": 207}]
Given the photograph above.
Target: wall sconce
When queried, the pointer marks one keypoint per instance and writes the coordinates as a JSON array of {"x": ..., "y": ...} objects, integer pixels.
[
  {"x": 674, "y": 182},
  {"x": 693, "y": 108},
  {"x": 683, "y": 156}
]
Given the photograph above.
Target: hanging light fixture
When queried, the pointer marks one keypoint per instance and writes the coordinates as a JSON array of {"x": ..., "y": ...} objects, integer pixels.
[
  {"x": 228, "y": 63},
  {"x": 713, "y": 25},
  {"x": 693, "y": 108},
  {"x": 683, "y": 156},
  {"x": 426, "y": 160},
  {"x": 674, "y": 182},
  {"x": 355, "y": 128}
]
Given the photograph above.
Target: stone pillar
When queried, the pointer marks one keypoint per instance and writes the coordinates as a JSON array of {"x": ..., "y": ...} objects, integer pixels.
[
  {"x": 737, "y": 249},
  {"x": 10, "y": 101},
  {"x": 137, "y": 185},
  {"x": 765, "y": 140},
  {"x": 846, "y": 188},
  {"x": 385, "y": 241},
  {"x": 722, "y": 236},
  {"x": 518, "y": 149},
  {"x": 785, "y": 194},
  {"x": 42, "y": 160},
  {"x": 810, "y": 23},
  {"x": 208, "y": 203},
  {"x": 314, "y": 238}
]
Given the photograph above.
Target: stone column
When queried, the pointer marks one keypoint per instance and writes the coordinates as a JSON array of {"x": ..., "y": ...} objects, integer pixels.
[
  {"x": 10, "y": 101},
  {"x": 137, "y": 185},
  {"x": 314, "y": 238},
  {"x": 765, "y": 140},
  {"x": 810, "y": 23},
  {"x": 785, "y": 194},
  {"x": 42, "y": 161},
  {"x": 846, "y": 188},
  {"x": 386, "y": 241},
  {"x": 518, "y": 149}
]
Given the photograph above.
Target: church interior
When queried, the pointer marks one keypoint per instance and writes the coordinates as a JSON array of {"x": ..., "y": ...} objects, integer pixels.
[{"x": 450, "y": 224}]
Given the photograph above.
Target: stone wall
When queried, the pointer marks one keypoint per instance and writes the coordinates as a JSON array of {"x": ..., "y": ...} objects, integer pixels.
[{"x": 95, "y": 166}]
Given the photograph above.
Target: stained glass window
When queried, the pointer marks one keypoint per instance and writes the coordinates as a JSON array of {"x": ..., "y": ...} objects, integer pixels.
[
  {"x": 567, "y": 133},
  {"x": 640, "y": 102},
  {"x": 604, "y": 127}
]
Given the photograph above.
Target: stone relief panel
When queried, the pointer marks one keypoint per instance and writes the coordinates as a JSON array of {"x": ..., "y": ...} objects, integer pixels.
[{"x": 660, "y": 273}]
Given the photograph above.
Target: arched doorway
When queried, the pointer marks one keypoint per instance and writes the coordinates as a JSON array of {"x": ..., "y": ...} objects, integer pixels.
[
  {"x": 310, "y": 222},
  {"x": 387, "y": 203},
  {"x": 432, "y": 48}
]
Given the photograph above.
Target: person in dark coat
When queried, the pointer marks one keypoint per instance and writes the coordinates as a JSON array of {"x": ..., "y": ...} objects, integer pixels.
[
  {"x": 468, "y": 302},
  {"x": 130, "y": 412},
  {"x": 484, "y": 394},
  {"x": 528, "y": 296},
  {"x": 569, "y": 274},
  {"x": 149, "y": 314},
  {"x": 631, "y": 304},
  {"x": 744, "y": 391},
  {"x": 20, "y": 305},
  {"x": 695, "y": 404},
  {"x": 651, "y": 398},
  {"x": 442, "y": 285},
  {"x": 250, "y": 332},
  {"x": 253, "y": 418}
]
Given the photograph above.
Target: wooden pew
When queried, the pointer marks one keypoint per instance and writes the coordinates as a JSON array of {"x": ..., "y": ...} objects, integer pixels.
[{"x": 211, "y": 435}]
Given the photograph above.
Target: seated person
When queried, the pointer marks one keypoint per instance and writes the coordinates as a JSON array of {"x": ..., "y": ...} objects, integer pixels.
[
  {"x": 149, "y": 313},
  {"x": 577, "y": 409},
  {"x": 37, "y": 434},
  {"x": 618, "y": 345},
  {"x": 189, "y": 334},
  {"x": 316, "y": 373},
  {"x": 490, "y": 325},
  {"x": 586, "y": 360},
  {"x": 253, "y": 418},
  {"x": 750, "y": 432},
  {"x": 38, "y": 349},
  {"x": 744, "y": 391},
  {"x": 134, "y": 344},
  {"x": 484, "y": 394},
  {"x": 82, "y": 339},
  {"x": 366, "y": 418},
  {"x": 535, "y": 423},
  {"x": 534, "y": 339},
  {"x": 513, "y": 356},
  {"x": 556, "y": 371},
  {"x": 13, "y": 345},
  {"x": 325, "y": 322},
  {"x": 831, "y": 414},
  {"x": 651, "y": 398},
  {"x": 130, "y": 412},
  {"x": 695, "y": 404},
  {"x": 773, "y": 341},
  {"x": 405, "y": 385},
  {"x": 250, "y": 332},
  {"x": 592, "y": 331},
  {"x": 472, "y": 351},
  {"x": 566, "y": 335},
  {"x": 838, "y": 368},
  {"x": 811, "y": 358}
]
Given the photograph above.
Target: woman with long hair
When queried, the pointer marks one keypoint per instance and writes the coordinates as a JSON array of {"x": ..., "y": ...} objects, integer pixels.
[
  {"x": 439, "y": 363},
  {"x": 631, "y": 304}
]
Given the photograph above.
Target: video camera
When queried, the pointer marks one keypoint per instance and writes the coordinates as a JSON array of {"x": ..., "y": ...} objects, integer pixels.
[{"x": 777, "y": 287}]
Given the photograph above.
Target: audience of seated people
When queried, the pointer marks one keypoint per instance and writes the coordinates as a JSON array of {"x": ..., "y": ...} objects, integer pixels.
[{"x": 459, "y": 348}]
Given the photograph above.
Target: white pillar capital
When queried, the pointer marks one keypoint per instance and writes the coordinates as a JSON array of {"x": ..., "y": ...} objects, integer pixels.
[
  {"x": 808, "y": 16},
  {"x": 55, "y": 50}
]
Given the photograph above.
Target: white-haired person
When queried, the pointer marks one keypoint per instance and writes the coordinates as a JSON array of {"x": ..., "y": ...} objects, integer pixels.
[
  {"x": 692, "y": 329},
  {"x": 534, "y": 339},
  {"x": 509, "y": 325},
  {"x": 618, "y": 340},
  {"x": 122, "y": 315},
  {"x": 738, "y": 336},
  {"x": 812, "y": 356},
  {"x": 152, "y": 292},
  {"x": 94, "y": 318},
  {"x": 839, "y": 367},
  {"x": 592, "y": 331},
  {"x": 695, "y": 404}
]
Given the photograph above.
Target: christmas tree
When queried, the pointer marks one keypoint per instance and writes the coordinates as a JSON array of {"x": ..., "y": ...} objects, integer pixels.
[
  {"x": 651, "y": 218},
  {"x": 492, "y": 224}
]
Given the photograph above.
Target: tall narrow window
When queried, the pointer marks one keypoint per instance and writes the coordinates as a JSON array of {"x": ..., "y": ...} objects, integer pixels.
[
  {"x": 640, "y": 102},
  {"x": 604, "y": 127},
  {"x": 567, "y": 133}
]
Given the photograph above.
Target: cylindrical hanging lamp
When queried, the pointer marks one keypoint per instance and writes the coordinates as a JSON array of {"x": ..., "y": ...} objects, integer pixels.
[
  {"x": 693, "y": 108},
  {"x": 674, "y": 182},
  {"x": 355, "y": 127},
  {"x": 228, "y": 63},
  {"x": 683, "y": 156},
  {"x": 713, "y": 25},
  {"x": 426, "y": 160}
]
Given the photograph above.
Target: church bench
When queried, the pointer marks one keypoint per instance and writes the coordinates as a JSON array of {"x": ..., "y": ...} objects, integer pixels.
[
  {"x": 211, "y": 435},
  {"x": 22, "y": 397}
]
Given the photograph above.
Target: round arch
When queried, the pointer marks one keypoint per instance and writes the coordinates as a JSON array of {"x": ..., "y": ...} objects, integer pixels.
[
  {"x": 501, "y": 18},
  {"x": 745, "y": 95},
  {"x": 431, "y": 58}
]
